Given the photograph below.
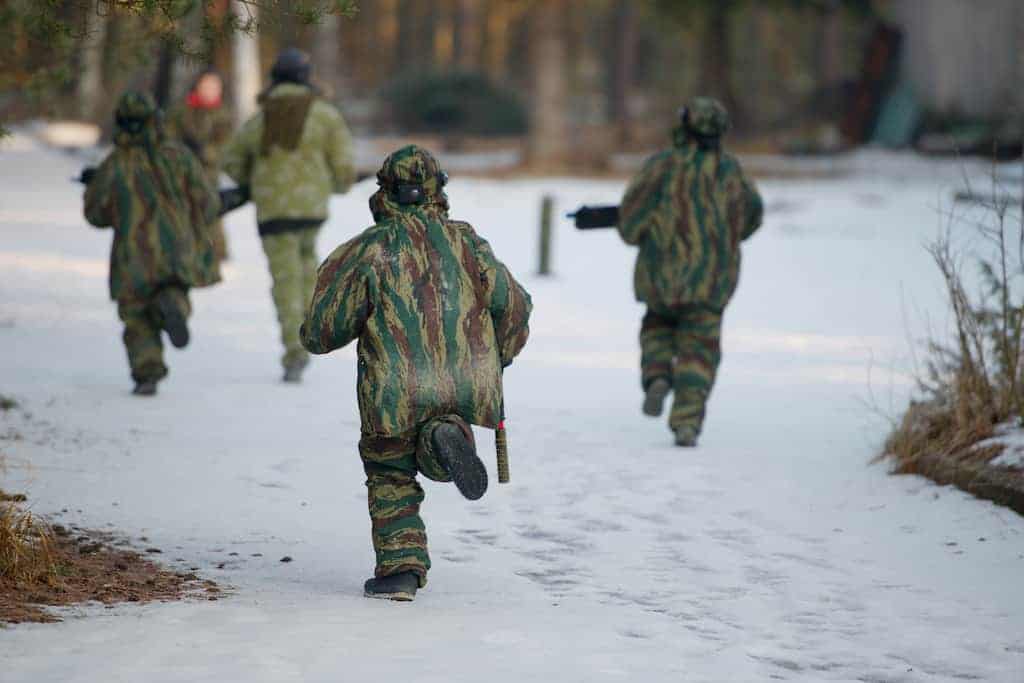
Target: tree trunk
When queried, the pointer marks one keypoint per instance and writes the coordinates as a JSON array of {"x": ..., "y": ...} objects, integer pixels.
[
  {"x": 220, "y": 56},
  {"x": 467, "y": 32},
  {"x": 164, "y": 80},
  {"x": 326, "y": 54},
  {"x": 624, "y": 30},
  {"x": 247, "y": 69},
  {"x": 830, "y": 57},
  {"x": 548, "y": 143},
  {"x": 90, "y": 86},
  {"x": 716, "y": 58},
  {"x": 408, "y": 28}
]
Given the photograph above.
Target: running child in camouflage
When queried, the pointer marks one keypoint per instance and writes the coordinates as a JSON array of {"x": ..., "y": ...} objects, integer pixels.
[
  {"x": 437, "y": 317},
  {"x": 688, "y": 210},
  {"x": 156, "y": 196}
]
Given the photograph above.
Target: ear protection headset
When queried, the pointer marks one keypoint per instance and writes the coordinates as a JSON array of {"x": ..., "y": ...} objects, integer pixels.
[{"x": 413, "y": 193}]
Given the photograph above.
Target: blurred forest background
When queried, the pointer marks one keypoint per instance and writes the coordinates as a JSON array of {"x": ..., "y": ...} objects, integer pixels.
[{"x": 568, "y": 82}]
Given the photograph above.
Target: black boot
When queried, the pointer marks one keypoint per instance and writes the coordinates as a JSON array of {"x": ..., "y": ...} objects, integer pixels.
[
  {"x": 400, "y": 587},
  {"x": 654, "y": 398},
  {"x": 459, "y": 459},
  {"x": 146, "y": 388},
  {"x": 293, "y": 371},
  {"x": 173, "y": 321},
  {"x": 686, "y": 436}
]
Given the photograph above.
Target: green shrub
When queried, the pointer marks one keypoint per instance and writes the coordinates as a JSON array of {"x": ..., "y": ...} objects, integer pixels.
[{"x": 457, "y": 102}]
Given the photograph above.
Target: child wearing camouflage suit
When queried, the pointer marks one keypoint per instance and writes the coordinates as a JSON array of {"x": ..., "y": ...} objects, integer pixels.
[
  {"x": 688, "y": 210},
  {"x": 155, "y": 195},
  {"x": 292, "y": 155},
  {"x": 437, "y": 317}
]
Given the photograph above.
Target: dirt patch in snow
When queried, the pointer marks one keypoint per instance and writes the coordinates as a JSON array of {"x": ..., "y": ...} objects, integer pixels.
[
  {"x": 91, "y": 566},
  {"x": 1001, "y": 485}
]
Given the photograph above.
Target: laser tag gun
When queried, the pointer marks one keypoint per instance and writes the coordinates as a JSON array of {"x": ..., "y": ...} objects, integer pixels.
[
  {"x": 234, "y": 197},
  {"x": 86, "y": 176},
  {"x": 594, "y": 217}
]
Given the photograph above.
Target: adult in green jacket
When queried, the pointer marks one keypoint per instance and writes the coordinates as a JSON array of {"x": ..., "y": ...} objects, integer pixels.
[
  {"x": 687, "y": 210},
  {"x": 437, "y": 316},
  {"x": 293, "y": 154},
  {"x": 156, "y": 197}
]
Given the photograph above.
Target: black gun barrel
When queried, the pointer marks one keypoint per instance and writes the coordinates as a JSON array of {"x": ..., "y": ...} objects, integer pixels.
[
  {"x": 233, "y": 197},
  {"x": 86, "y": 176},
  {"x": 595, "y": 217}
]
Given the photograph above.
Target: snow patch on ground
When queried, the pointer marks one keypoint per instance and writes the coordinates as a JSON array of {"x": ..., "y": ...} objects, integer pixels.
[{"x": 1009, "y": 435}]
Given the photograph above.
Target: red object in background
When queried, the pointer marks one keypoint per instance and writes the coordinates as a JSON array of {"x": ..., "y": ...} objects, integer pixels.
[{"x": 195, "y": 102}]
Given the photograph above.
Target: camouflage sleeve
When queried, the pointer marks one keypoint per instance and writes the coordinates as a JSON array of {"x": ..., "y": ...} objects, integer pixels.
[
  {"x": 239, "y": 153},
  {"x": 223, "y": 127},
  {"x": 99, "y": 196},
  {"x": 202, "y": 193},
  {"x": 509, "y": 303},
  {"x": 177, "y": 129},
  {"x": 343, "y": 298},
  {"x": 641, "y": 200},
  {"x": 339, "y": 155},
  {"x": 172, "y": 125},
  {"x": 755, "y": 209}
]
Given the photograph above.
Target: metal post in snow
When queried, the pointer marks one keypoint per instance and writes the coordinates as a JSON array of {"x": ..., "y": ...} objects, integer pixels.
[{"x": 546, "y": 211}]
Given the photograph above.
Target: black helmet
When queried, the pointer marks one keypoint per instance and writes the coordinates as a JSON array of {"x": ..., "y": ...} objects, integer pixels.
[{"x": 292, "y": 66}]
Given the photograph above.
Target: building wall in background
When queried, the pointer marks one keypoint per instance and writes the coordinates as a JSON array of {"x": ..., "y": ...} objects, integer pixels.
[{"x": 964, "y": 56}]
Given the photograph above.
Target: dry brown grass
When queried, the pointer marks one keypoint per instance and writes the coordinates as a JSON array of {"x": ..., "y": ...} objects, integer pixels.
[
  {"x": 932, "y": 429},
  {"x": 26, "y": 546},
  {"x": 58, "y": 566},
  {"x": 976, "y": 382}
]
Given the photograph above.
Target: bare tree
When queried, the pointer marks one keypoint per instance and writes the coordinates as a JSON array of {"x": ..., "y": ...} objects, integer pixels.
[
  {"x": 246, "y": 63},
  {"x": 624, "y": 31},
  {"x": 548, "y": 144},
  {"x": 466, "y": 34},
  {"x": 90, "y": 85}
]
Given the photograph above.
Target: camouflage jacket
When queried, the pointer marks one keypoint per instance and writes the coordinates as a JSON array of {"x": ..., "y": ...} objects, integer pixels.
[
  {"x": 292, "y": 168},
  {"x": 204, "y": 131},
  {"x": 688, "y": 210},
  {"x": 156, "y": 197},
  {"x": 437, "y": 316}
]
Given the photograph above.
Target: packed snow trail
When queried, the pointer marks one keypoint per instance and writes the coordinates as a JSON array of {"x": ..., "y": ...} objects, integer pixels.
[{"x": 773, "y": 551}]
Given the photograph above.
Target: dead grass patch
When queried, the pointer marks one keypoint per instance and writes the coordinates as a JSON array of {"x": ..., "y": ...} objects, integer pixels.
[
  {"x": 976, "y": 382},
  {"x": 43, "y": 565}
]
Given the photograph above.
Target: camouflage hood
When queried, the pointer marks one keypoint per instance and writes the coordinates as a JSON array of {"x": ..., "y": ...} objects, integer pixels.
[
  {"x": 137, "y": 121},
  {"x": 703, "y": 120},
  {"x": 410, "y": 179}
]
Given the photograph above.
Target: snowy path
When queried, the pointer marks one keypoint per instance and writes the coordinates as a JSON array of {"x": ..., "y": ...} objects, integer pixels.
[{"x": 774, "y": 551}]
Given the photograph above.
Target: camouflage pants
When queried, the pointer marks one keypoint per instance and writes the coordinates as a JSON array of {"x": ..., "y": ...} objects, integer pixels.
[
  {"x": 683, "y": 346},
  {"x": 293, "y": 263},
  {"x": 394, "y": 496},
  {"x": 220, "y": 240},
  {"x": 143, "y": 324}
]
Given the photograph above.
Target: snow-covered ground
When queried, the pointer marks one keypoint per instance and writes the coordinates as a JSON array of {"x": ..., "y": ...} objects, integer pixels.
[{"x": 774, "y": 551}]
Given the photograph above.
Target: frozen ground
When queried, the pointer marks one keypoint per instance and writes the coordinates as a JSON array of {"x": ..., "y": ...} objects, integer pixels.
[{"x": 774, "y": 551}]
